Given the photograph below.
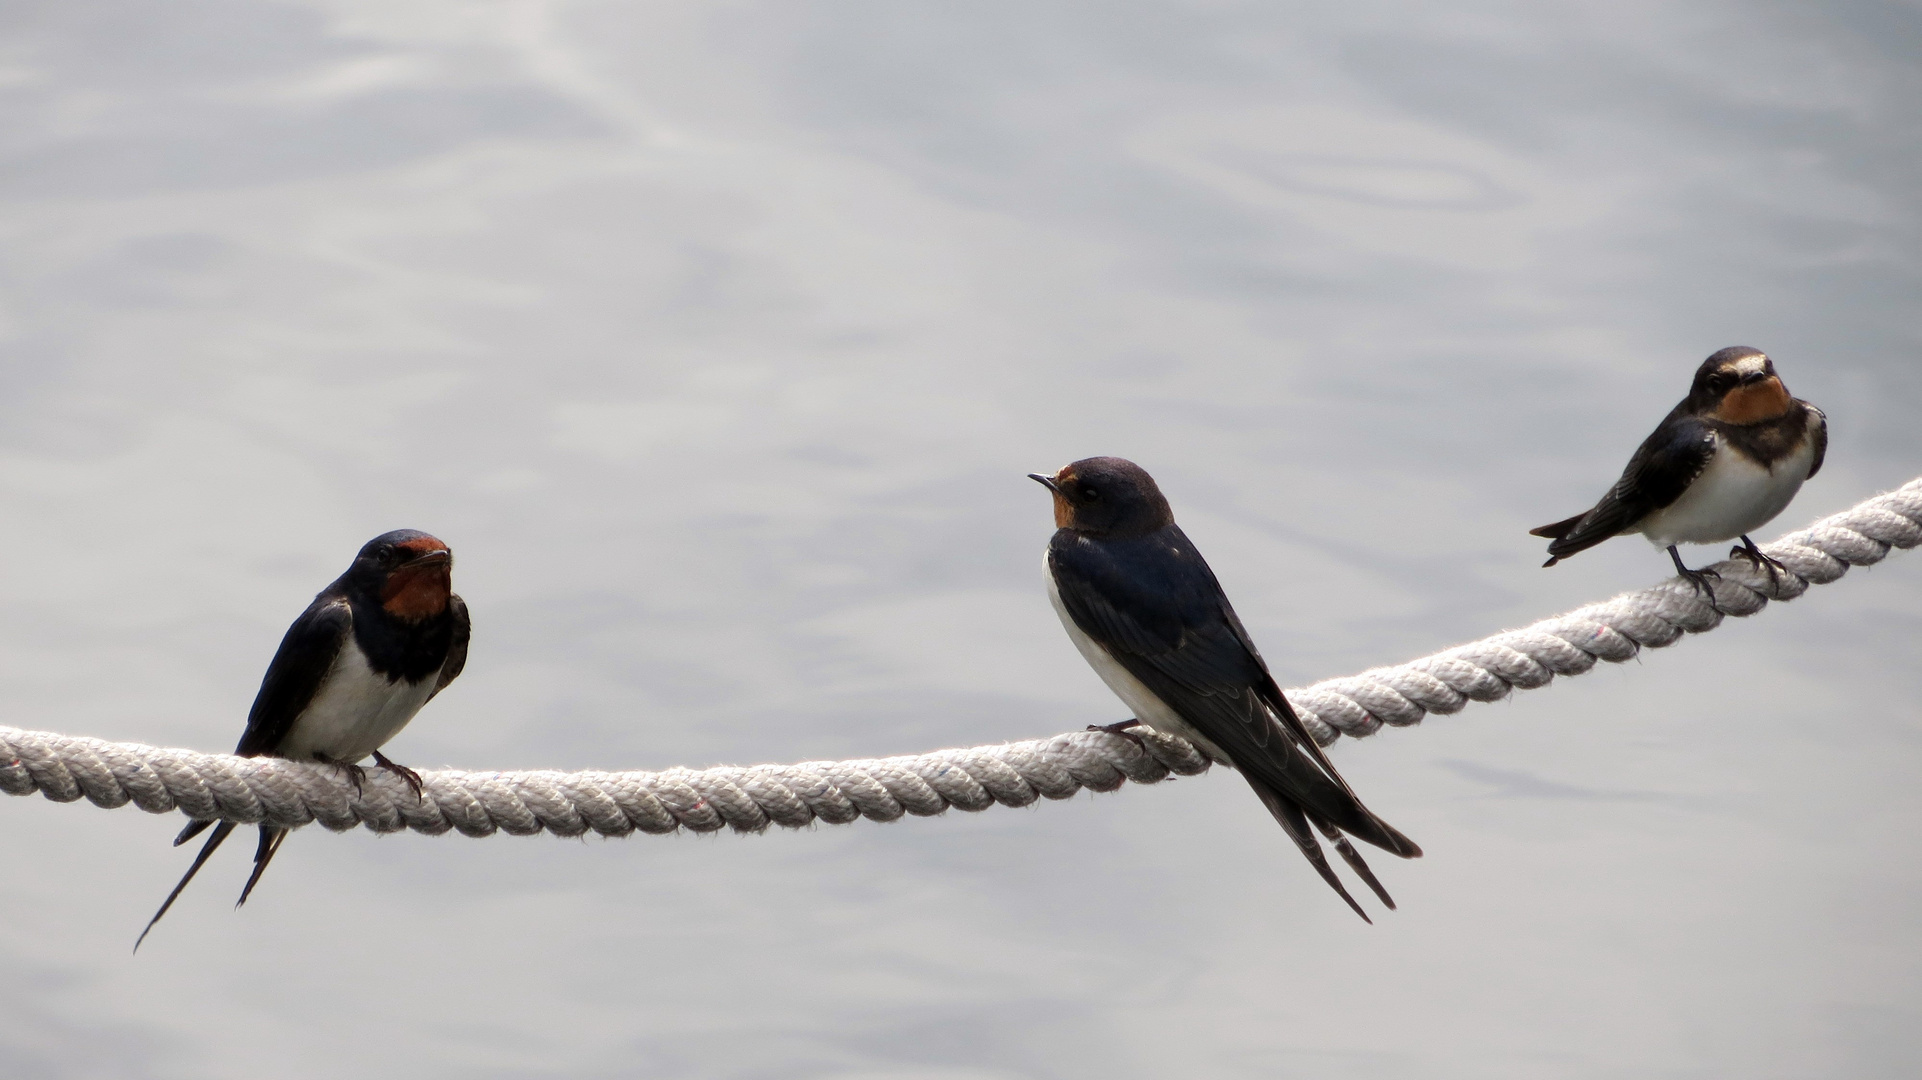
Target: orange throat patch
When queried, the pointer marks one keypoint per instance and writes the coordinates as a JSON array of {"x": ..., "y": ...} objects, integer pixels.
[
  {"x": 1766, "y": 400},
  {"x": 416, "y": 593}
]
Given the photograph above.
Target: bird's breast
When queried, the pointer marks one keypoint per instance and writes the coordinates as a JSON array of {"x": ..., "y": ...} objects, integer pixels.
[
  {"x": 354, "y": 712},
  {"x": 1735, "y": 494}
]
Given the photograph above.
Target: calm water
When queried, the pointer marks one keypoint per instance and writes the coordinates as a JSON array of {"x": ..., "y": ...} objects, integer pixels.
[{"x": 717, "y": 341}]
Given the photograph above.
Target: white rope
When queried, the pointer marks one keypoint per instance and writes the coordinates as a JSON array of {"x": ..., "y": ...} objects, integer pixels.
[{"x": 287, "y": 793}]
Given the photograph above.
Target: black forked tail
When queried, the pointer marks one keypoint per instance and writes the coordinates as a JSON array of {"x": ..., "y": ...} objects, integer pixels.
[
  {"x": 1354, "y": 860},
  {"x": 192, "y": 830},
  {"x": 270, "y": 839},
  {"x": 1295, "y": 823},
  {"x": 1301, "y": 771},
  {"x": 1558, "y": 531},
  {"x": 269, "y": 843}
]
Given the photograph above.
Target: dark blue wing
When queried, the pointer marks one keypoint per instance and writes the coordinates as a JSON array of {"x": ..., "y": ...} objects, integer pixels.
[
  {"x": 294, "y": 676},
  {"x": 1663, "y": 467},
  {"x": 1154, "y": 604},
  {"x": 463, "y": 628}
]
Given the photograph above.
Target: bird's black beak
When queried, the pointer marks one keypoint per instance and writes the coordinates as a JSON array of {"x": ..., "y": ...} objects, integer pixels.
[
  {"x": 1045, "y": 481},
  {"x": 1754, "y": 377},
  {"x": 436, "y": 557}
]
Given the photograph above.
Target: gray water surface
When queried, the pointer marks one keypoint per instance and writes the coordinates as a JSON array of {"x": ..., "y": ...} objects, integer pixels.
[{"x": 717, "y": 339}]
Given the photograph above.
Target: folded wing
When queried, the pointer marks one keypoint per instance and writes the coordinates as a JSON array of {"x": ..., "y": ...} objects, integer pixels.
[
  {"x": 1663, "y": 467},
  {"x": 1168, "y": 623}
]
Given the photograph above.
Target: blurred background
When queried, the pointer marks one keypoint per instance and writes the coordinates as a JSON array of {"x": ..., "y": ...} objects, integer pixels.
[{"x": 716, "y": 338}]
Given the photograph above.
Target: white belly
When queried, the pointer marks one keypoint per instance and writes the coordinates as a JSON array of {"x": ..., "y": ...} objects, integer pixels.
[
  {"x": 1147, "y": 705},
  {"x": 355, "y": 713},
  {"x": 1733, "y": 496}
]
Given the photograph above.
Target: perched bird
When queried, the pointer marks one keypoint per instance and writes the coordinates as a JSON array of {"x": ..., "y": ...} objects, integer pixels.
[
  {"x": 372, "y": 648},
  {"x": 1728, "y": 459},
  {"x": 1148, "y": 615}
]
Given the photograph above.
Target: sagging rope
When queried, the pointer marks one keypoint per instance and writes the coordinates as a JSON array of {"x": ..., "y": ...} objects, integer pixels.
[{"x": 748, "y": 799}]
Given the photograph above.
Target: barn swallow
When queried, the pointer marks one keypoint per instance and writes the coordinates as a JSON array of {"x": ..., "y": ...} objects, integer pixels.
[
  {"x": 372, "y": 648},
  {"x": 1148, "y": 615},
  {"x": 1728, "y": 459}
]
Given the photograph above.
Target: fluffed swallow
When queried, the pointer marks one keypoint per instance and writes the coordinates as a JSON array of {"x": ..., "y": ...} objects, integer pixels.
[
  {"x": 1728, "y": 459},
  {"x": 372, "y": 648},
  {"x": 1148, "y": 615}
]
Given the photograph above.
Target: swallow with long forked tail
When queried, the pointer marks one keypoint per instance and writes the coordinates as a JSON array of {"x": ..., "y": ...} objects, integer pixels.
[
  {"x": 354, "y": 668},
  {"x": 1146, "y": 612}
]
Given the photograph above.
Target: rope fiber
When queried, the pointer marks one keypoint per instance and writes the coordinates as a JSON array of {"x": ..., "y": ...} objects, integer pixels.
[{"x": 290, "y": 794}]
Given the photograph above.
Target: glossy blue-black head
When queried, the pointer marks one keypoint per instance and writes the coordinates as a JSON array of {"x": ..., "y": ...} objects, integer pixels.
[
  {"x": 1738, "y": 385},
  {"x": 1107, "y": 496},
  {"x": 408, "y": 571}
]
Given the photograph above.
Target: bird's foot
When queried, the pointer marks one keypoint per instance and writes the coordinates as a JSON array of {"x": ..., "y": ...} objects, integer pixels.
[
  {"x": 1121, "y": 729},
  {"x": 354, "y": 773},
  {"x": 1698, "y": 578},
  {"x": 1762, "y": 561},
  {"x": 402, "y": 771}
]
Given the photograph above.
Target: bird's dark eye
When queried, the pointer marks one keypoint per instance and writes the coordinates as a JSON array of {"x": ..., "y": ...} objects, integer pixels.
[
  {"x": 1090, "y": 494},
  {"x": 1718, "y": 382}
]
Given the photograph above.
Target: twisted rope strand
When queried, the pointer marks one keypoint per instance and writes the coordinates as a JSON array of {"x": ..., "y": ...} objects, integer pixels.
[{"x": 290, "y": 794}]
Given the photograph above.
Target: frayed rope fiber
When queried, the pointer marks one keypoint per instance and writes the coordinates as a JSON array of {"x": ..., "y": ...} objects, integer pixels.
[{"x": 271, "y": 791}]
